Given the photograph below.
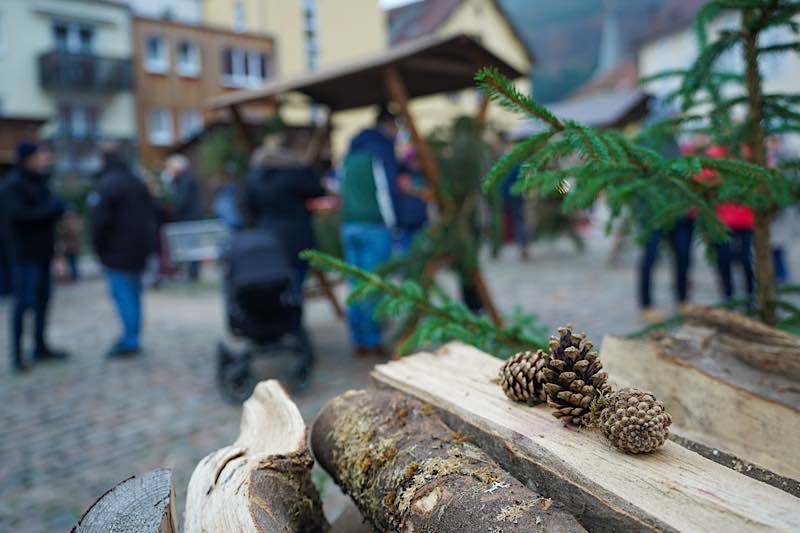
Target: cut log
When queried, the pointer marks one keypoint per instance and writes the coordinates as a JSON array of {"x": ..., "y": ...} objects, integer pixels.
[
  {"x": 407, "y": 471},
  {"x": 140, "y": 504},
  {"x": 262, "y": 481},
  {"x": 719, "y": 402},
  {"x": 607, "y": 490},
  {"x": 748, "y": 340}
]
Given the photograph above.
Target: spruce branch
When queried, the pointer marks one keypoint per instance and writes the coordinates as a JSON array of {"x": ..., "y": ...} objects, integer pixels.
[
  {"x": 502, "y": 90},
  {"x": 441, "y": 321}
]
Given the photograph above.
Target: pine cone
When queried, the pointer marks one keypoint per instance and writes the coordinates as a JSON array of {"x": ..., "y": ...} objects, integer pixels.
[
  {"x": 634, "y": 421},
  {"x": 520, "y": 377},
  {"x": 572, "y": 379}
]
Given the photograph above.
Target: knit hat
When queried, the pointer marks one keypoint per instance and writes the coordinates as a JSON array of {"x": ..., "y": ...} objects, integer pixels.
[{"x": 25, "y": 149}]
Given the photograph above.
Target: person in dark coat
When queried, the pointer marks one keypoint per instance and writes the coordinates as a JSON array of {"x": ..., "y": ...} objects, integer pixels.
[
  {"x": 32, "y": 212},
  {"x": 123, "y": 224},
  {"x": 185, "y": 198},
  {"x": 276, "y": 192},
  {"x": 5, "y": 243}
]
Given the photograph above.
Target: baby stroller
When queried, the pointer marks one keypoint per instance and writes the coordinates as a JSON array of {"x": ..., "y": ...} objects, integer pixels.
[{"x": 261, "y": 308}]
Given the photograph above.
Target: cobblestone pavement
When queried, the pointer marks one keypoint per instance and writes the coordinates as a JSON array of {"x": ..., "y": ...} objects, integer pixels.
[{"x": 72, "y": 430}]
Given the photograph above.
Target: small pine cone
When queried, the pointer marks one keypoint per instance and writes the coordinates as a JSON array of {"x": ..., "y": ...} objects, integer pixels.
[
  {"x": 634, "y": 421},
  {"x": 519, "y": 378},
  {"x": 572, "y": 379}
]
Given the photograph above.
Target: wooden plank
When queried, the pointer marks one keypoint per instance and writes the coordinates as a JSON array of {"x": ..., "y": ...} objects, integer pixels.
[
  {"x": 262, "y": 482},
  {"x": 710, "y": 408},
  {"x": 140, "y": 504},
  {"x": 672, "y": 489}
]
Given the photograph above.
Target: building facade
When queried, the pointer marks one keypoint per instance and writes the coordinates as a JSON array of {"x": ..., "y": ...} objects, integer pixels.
[
  {"x": 68, "y": 62},
  {"x": 188, "y": 11},
  {"x": 310, "y": 34},
  {"x": 673, "y": 46},
  {"x": 483, "y": 19},
  {"x": 179, "y": 67}
]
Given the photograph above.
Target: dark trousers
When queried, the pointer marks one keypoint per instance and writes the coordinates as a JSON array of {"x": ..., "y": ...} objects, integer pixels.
[
  {"x": 32, "y": 287},
  {"x": 126, "y": 290},
  {"x": 779, "y": 262},
  {"x": 737, "y": 249},
  {"x": 73, "y": 266},
  {"x": 680, "y": 240},
  {"x": 5, "y": 271}
]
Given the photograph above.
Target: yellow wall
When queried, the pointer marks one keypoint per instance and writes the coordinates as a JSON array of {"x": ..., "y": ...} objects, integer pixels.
[
  {"x": 336, "y": 20},
  {"x": 478, "y": 18}
]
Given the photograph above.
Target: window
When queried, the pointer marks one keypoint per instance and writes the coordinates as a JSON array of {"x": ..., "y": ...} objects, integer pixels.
[
  {"x": 160, "y": 131},
  {"x": 244, "y": 68},
  {"x": 156, "y": 58},
  {"x": 191, "y": 123},
  {"x": 239, "y": 18},
  {"x": 77, "y": 121},
  {"x": 73, "y": 37},
  {"x": 310, "y": 28},
  {"x": 188, "y": 62}
]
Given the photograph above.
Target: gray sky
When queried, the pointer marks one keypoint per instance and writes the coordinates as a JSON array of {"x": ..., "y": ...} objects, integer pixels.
[{"x": 394, "y": 3}]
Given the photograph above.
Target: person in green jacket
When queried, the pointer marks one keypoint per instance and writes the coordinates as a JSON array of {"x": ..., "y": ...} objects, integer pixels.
[{"x": 369, "y": 191}]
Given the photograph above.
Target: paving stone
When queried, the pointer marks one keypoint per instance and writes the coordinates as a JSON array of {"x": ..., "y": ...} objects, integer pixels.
[{"x": 72, "y": 430}]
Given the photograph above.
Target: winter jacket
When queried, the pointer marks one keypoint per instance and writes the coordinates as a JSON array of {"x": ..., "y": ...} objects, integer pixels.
[
  {"x": 276, "y": 201},
  {"x": 123, "y": 219},
  {"x": 186, "y": 197},
  {"x": 411, "y": 210},
  {"x": 369, "y": 181},
  {"x": 31, "y": 212},
  {"x": 735, "y": 216}
]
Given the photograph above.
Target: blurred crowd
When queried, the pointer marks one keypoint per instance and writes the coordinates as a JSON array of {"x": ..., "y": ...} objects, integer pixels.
[{"x": 378, "y": 191}]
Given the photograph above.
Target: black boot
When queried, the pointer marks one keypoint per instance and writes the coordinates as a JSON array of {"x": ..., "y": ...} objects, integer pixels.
[
  {"x": 45, "y": 353},
  {"x": 19, "y": 366}
]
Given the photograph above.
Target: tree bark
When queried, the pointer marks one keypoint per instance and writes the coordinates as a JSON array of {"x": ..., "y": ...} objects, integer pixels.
[
  {"x": 765, "y": 279},
  {"x": 140, "y": 504},
  {"x": 407, "y": 471},
  {"x": 262, "y": 481}
]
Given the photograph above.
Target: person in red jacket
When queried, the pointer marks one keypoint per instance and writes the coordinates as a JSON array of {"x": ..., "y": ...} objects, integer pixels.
[{"x": 738, "y": 249}]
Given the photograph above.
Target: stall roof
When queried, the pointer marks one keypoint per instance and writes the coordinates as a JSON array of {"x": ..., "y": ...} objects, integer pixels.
[
  {"x": 427, "y": 66},
  {"x": 601, "y": 110}
]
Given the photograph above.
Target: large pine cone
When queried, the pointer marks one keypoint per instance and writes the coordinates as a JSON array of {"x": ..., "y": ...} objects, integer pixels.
[
  {"x": 572, "y": 379},
  {"x": 634, "y": 421},
  {"x": 520, "y": 377}
]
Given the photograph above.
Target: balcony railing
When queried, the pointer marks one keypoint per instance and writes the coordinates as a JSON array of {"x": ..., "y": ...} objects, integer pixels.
[{"x": 67, "y": 71}]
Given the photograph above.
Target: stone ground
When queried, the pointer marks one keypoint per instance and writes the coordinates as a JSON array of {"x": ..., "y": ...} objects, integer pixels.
[{"x": 72, "y": 430}]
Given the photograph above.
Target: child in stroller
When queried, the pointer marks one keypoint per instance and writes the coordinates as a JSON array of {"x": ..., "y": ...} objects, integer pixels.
[{"x": 261, "y": 306}]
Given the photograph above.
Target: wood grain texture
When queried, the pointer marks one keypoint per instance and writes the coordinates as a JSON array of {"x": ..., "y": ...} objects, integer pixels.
[
  {"x": 749, "y": 340},
  {"x": 672, "y": 489},
  {"x": 260, "y": 483},
  {"x": 729, "y": 410},
  {"x": 140, "y": 504},
  {"x": 407, "y": 471}
]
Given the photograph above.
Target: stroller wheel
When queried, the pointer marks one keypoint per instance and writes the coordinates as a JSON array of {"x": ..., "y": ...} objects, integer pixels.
[{"x": 236, "y": 383}]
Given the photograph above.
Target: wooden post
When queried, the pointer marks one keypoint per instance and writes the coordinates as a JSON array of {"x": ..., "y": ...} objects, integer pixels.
[
  {"x": 140, "y": 504},
  {"x": 397, "y": 91},
  {"x": 327, "y": 290},
  {"x": 244, "y": 131}
]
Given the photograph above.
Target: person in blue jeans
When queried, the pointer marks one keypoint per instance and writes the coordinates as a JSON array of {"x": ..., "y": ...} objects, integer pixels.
[
  {"x": 369, "y": 192},
  {"x": 123, "y": 219},
  {"x": 32, "y": 212}
]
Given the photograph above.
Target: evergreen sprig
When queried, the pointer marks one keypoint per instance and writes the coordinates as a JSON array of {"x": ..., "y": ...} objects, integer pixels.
[{"x": 442, "y": 318}]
